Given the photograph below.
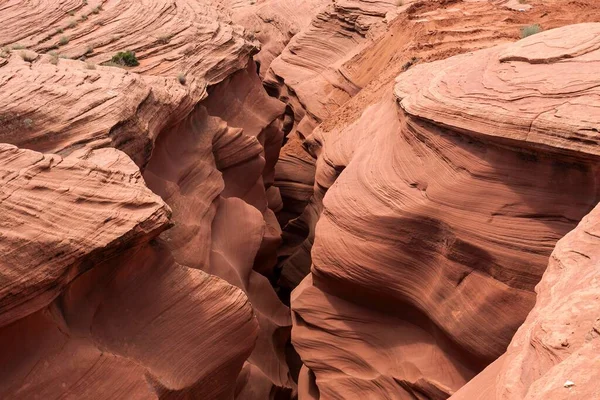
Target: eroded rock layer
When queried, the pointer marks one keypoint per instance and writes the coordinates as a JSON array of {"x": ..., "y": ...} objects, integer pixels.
[
  {"x": 441, "y": 226},
  {"x": 554, "y": 354},
  {"x": 91, "y": 306},
  {"x": 193, "y": 115},
  {"x": 416, "y": 32}
]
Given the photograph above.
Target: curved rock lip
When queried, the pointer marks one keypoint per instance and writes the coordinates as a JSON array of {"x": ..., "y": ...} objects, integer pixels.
[
  {"x": 61, "y": 216},
  {"x": 542, "y": 91}
]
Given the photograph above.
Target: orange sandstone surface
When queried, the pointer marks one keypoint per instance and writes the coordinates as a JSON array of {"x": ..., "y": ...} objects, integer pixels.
[{"x": 306, "y": 200}]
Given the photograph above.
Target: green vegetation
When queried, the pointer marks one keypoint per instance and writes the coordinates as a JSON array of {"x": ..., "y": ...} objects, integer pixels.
[
  {"x": 72, "y": 24},
  {"x": 530, "y": 30},
  {"x": 5, "y": 52},
  {"x": 125, "y": 58},
  {"x": 96, "y": 10},
  {"x": 181, "y": 78},
  {"x": 17, "y": 46},
  {"x": 63, "y": 40}
]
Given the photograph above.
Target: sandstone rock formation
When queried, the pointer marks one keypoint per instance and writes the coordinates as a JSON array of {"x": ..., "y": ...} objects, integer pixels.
[
  {"x": 207, "y": 144},
  {"x": 91, "y": 307},
  {"x": 444, "y": 226},
  {"x": 558, "y": 342},
  {"x": 155, "y": 218},
  {"x": 421, "y": 32}
]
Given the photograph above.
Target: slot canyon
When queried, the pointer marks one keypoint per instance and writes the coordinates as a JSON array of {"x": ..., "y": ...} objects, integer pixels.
[{"x": 300, "y": 199}]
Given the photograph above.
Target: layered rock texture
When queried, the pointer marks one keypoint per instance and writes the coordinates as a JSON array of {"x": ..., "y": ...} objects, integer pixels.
[
  {"x": 554, "y": 354},
  {"x": 441, "y": 218},
  {"x": 299, "y": 199},
  {"x": 92, "y": 307},
  {"x": 194, "y": 117}
]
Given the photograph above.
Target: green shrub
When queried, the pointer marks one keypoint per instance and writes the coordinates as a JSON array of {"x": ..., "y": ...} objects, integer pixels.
[
  {"x": 63, "y": 40},
  {"x": 125, "y": 58},
  {"x": 530, "y": 30}
]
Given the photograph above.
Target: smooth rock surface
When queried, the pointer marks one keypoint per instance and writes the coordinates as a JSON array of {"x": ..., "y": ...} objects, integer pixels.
[{"x": 437, "y": 226}]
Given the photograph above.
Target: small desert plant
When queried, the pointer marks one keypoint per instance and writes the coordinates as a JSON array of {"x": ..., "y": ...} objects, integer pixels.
[
  {"x": 5, "y": 52},
  {"x": 17, "y": 46},
  {"x": 71, "y": 13},
  {"x": 84, "y": 17},
  {"x": 27, "y": 122},
  {"x": 96, "y": 10},
  {"x": 28, "y": 56},
  {"x": 72, "y": 24},
  {"x": 89, "y": 49},
  {"x": 181, "y": 78},
  {"x": 530, "y": 30},
  {"x": 125, "y": 58},
  {"x": 53, "y": 57},
  {"x": 60, "y": 30},
  {"x": 409, "y": 63},
  {"x": 63, "y": 40},
  {"x": 164, "y": 39}
]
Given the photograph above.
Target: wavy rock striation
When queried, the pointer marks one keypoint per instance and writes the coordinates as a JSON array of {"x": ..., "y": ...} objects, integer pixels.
[
  {"x": 445, "y": 225},
  {"x": 92, "y": 307},
  {"x": 558, "y": 342},
  {"x": 421, "y": 32},
  {"x": 195, "y": 118}
]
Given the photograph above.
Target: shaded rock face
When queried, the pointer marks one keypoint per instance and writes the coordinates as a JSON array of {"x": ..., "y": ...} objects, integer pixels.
[
  {"x": 141, "y": 208},
  {"x": 91, "y": 306},
  {"x": 558, "y": 342},
  {"x": 112, "y": 313},
  {"x": 441, "y": 226}
]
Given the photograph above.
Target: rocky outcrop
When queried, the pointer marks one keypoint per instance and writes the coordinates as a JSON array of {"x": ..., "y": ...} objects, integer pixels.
[
  {"x": 554, "y": 354},
  {"x": 443, "y": 226},
  {"x": 421, "y": 32},
  {"x": 195, "y": 118},
  {"x": 91, "y": 305}
]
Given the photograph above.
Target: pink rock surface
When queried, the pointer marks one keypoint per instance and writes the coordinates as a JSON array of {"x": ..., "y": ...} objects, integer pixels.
[
  {"x": 91, "y": 307},
  {"x": 559, "y": 340},
  {"x": 539, "y": 91},
  {"x": 207, "y": 146},
  {"x": 432, "y": 217},
  {"x": 44, "y": 251}
]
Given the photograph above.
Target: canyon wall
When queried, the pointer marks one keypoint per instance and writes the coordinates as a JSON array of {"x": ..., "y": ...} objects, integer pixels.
[
  {"x": 298, "y": 199},
  {"x": 441, "y": 215},
  {"x": 204, "y": 136}
]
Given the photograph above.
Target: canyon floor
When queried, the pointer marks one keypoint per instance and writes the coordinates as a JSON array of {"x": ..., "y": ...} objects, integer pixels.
[{"x": 288, "y": 199}]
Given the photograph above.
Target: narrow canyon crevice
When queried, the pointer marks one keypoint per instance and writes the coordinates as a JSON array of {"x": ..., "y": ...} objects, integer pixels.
[{"x": 287, "y": 199}]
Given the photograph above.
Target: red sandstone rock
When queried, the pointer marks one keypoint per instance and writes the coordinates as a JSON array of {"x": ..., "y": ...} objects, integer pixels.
[
  {"x": 559, "y": 340},
  {"x": 440, "y": 226},
  {"x": 90, "y": 308}
]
